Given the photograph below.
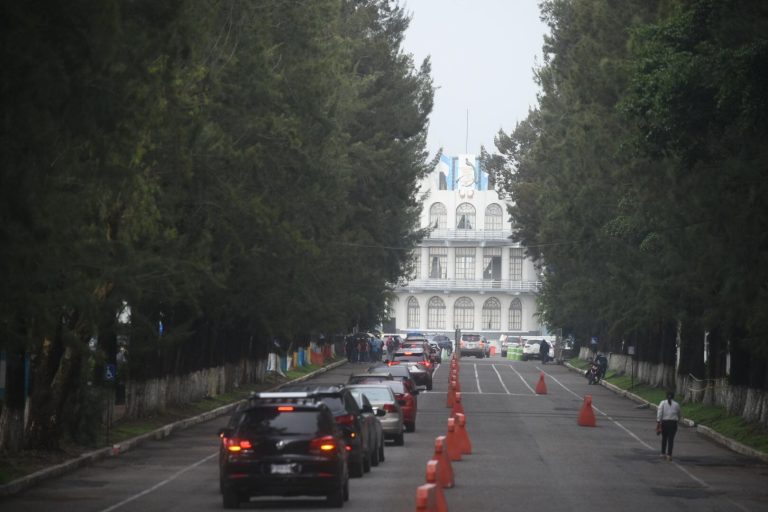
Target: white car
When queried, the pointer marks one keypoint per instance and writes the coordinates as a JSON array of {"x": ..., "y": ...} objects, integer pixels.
[{"x": 531, "y": 349}]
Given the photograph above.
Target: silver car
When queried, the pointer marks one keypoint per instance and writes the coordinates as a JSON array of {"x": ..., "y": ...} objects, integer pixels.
[{"x": 382, "y": 398}]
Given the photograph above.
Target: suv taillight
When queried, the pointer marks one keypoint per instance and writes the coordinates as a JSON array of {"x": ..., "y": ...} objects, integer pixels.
[
  {"x": 235, "y": 445},
  {"x": 323, "y": 445},
  {"x": 346, "y": 419}
]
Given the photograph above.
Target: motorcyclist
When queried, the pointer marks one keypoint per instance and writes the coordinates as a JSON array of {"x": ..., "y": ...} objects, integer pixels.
[{"x": 602, "y": 365}]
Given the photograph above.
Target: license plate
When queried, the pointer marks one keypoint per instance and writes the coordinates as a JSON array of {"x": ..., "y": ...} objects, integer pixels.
[{"x": 282, "y": 469}]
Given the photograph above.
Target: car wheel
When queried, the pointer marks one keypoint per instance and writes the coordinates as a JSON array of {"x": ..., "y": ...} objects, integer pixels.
[
  {"x": 410, "y": 427},
  {"x": 399, "y": 439},
  {"x": 356, "y": 469},
  {"x": 336, "y": 497},
  {"x": 367, "y": 463},
  {"x": 375, "y": 457},
  {"x": 346, "y": 490},
  {"x": 381, "y": 451},
  {"x": 230, "y": 499}
]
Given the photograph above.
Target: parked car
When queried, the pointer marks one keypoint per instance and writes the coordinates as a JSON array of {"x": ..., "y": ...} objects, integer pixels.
[
  {"x": 284, "y": 445},
  {"x": 508, "y": 341},
  {"x": 402, "y": 387},
  {"x": 473, "y": 345},
  {"x": 377, "y": 446},
  {"x": 434, "y": 352},
  {"x": 383, "y": 399},
  {"x": 531, "y": 348},
  {"x": 358, "y": 428},
  {"x": 418, "y": 363}
]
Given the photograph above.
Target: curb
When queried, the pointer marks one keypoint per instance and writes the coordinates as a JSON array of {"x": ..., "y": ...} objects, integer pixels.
[
  {"x": 701, "y": 429},
  {"x": 85, "y": 459}
]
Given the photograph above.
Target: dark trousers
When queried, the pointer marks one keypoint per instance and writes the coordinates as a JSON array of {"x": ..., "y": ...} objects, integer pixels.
[{"x": 668, "y": 431}]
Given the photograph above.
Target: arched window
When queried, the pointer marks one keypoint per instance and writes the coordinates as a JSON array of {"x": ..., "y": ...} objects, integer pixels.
[
  {"x": 413, "y": 313},
  {"x": 465, "y": 216},
  {"x": 438, "y": 216},
  {"x": 464, "y": 313},
  {"x": 516, "y": 315},
  {"x": 436, "y": 313},
  {"x": 492, "y": 315},
  {"x": 493, "y": 217}
]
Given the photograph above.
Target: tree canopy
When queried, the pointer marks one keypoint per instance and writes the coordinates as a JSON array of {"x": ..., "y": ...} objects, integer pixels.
[
  {"x": 233, "y": 171},
  {"x": 638, "y": 179}
]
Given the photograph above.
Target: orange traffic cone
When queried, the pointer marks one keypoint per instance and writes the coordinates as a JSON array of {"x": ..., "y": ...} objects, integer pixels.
[
  {"x": 446, "y": 469},
  {"x": 425, "y": 498},
  {"x": 586, "y": 414},
  {"x": 541, "y": 386},
  {"x": 452, "y": 441},
  {"x": 433, "y": 470},
  {"x": 451, "y": 397},
  {"x": 457, "y": 406},
  {"x": 461, "y": 434}
]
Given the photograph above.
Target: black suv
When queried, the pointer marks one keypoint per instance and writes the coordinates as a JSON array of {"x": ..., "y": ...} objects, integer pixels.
[
  {"x": 285, "y": 444},
  {"x": 358, "y": 429}
]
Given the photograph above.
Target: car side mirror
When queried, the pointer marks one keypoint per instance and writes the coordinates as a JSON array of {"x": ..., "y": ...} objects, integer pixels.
[
  {"x": 379, "y": 412},
  {"x": 367, "y": 408}
]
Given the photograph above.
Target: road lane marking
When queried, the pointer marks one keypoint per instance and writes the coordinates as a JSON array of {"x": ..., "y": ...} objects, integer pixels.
[
  {"x": 495, "y": 393},
  {"x": 625, "y": 429},
  {"x": 499, "y": 376},
  {"x": 160, "y": 484},
  {"x": 477, "y": 379},
  {"x": 522, "y": 379}
]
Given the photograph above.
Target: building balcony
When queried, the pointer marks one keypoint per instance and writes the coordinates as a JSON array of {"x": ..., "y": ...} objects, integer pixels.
[
  {"x": 470, "y": 234},
  {"x": 471, "y": 285}
]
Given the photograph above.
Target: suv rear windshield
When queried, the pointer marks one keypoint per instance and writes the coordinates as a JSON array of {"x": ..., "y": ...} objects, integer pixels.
[
  {"x": 375, "y": 395},
  {"x": 471, "y": 337},
  {"x": 411, "y": 357},
  {"x": 268, "y": 421}
]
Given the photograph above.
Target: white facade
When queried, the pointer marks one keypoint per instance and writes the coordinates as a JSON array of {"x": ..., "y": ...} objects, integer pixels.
[{"x": 469, "y": 275}]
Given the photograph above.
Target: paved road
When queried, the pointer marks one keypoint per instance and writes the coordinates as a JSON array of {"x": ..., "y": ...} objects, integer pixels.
[{"x": 529, "y": 454}]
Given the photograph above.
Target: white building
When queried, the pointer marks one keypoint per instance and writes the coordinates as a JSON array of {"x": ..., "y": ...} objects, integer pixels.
[{"x": 468, "y": 274}]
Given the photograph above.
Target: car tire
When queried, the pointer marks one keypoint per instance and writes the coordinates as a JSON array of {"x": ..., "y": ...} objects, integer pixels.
[
  {"x": 399, "y": 439},
  {"x": 356, "y": 469},
  {"x": 336, "y": 497},
  {"x": 367, "y": 463},
  {"x": 230, "y": 499},
  {"x": 410, "y": 427},
  {"x": 375, "y": 457},
  {"x": 346, "y": 490},
  {"x": 381, "y": 451}
]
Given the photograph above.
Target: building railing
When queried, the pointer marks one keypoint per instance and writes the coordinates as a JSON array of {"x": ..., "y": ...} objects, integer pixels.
[
  {"x": 469, "y": 234},
  {"x": 471, "y": 284}
]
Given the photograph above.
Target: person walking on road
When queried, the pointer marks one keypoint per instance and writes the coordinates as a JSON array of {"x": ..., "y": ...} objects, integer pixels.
[{"x": 668, "y": 414}]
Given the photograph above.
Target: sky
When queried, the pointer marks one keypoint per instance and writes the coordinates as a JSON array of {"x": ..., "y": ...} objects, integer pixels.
[{"x": 483, "y": 53}]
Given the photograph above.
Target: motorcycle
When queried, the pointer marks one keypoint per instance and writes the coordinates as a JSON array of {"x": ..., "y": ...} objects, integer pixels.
[{"x": 593, "y": 373}]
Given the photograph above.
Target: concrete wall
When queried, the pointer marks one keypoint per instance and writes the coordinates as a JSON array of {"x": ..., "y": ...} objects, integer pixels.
[
  {"x": 751, "y": 404},
  {"x": 145, "y": 397}
]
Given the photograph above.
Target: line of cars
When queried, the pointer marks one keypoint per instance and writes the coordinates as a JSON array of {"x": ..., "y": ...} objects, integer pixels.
[{"x": 307, "y": 439}]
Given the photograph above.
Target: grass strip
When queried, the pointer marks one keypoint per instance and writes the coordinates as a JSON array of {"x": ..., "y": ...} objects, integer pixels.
[{"x": 752, "y": 434}]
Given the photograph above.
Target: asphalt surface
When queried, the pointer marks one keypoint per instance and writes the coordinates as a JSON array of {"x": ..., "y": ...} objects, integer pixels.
[{"x": 529, "y": 454}]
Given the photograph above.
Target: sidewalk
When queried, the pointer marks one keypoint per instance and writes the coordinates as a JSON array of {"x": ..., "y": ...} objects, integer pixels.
[
  {"x": 701, "y": 429},
  {"x": 27, "y": 481}
]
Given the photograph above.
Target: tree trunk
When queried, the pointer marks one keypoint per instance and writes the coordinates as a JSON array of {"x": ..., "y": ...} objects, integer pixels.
[{"x": 12, "y": 416}]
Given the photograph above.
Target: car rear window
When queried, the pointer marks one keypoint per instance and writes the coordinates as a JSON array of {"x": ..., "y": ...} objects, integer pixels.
[
  {"x": 335, "y": 404},
  {"x": 471, "y": 337},
  {"x": 396, "y": 386},
  {"x": 364, "y": 379},
  {"x": 415, "y": 357},
  {"x": 375, "y": 395},
  {"x": 269, "y": 421}
]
